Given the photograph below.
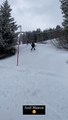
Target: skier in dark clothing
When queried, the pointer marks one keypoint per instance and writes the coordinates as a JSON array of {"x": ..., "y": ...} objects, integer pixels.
[{"x": 33, "y": 46}]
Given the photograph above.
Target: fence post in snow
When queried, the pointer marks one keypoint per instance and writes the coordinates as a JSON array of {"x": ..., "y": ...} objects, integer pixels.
[
  {"x": 18, "y": 53},
  {"x": 18, "y": 44}
]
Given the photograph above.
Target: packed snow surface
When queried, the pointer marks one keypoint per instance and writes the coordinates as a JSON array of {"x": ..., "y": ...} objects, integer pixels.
[{"x": 41, "y": 78}]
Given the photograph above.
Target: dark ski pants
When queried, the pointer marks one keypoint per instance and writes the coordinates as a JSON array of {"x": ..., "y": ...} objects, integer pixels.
[{"x": 32, "y": 48}]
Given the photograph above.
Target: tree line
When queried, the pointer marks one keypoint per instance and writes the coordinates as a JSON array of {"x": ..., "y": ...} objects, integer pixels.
[{"x": 39, "y": 35}]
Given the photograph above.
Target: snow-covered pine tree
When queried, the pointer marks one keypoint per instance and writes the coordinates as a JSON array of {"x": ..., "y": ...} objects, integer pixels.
[
  {"x": 63, "y": 41},
  {"x": 8, "y": 28},
  {"x": 64, "y": 7}
]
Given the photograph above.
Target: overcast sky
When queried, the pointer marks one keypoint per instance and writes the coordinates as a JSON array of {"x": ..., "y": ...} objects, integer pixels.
[{"x": 33, "y": 14}]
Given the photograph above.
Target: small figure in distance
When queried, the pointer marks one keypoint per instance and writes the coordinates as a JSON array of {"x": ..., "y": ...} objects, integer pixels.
[
  {"x": 33, "y": 46},
  {"x": 27, "y": 42}
]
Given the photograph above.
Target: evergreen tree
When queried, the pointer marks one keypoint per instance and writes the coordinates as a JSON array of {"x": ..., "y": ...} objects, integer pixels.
[
  {"x": 64, "y": 7},
  {"x": 7, "y": 27}
]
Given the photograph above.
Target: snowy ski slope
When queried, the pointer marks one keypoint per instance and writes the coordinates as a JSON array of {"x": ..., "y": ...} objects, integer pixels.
[{"x": 40, "y": 78}]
